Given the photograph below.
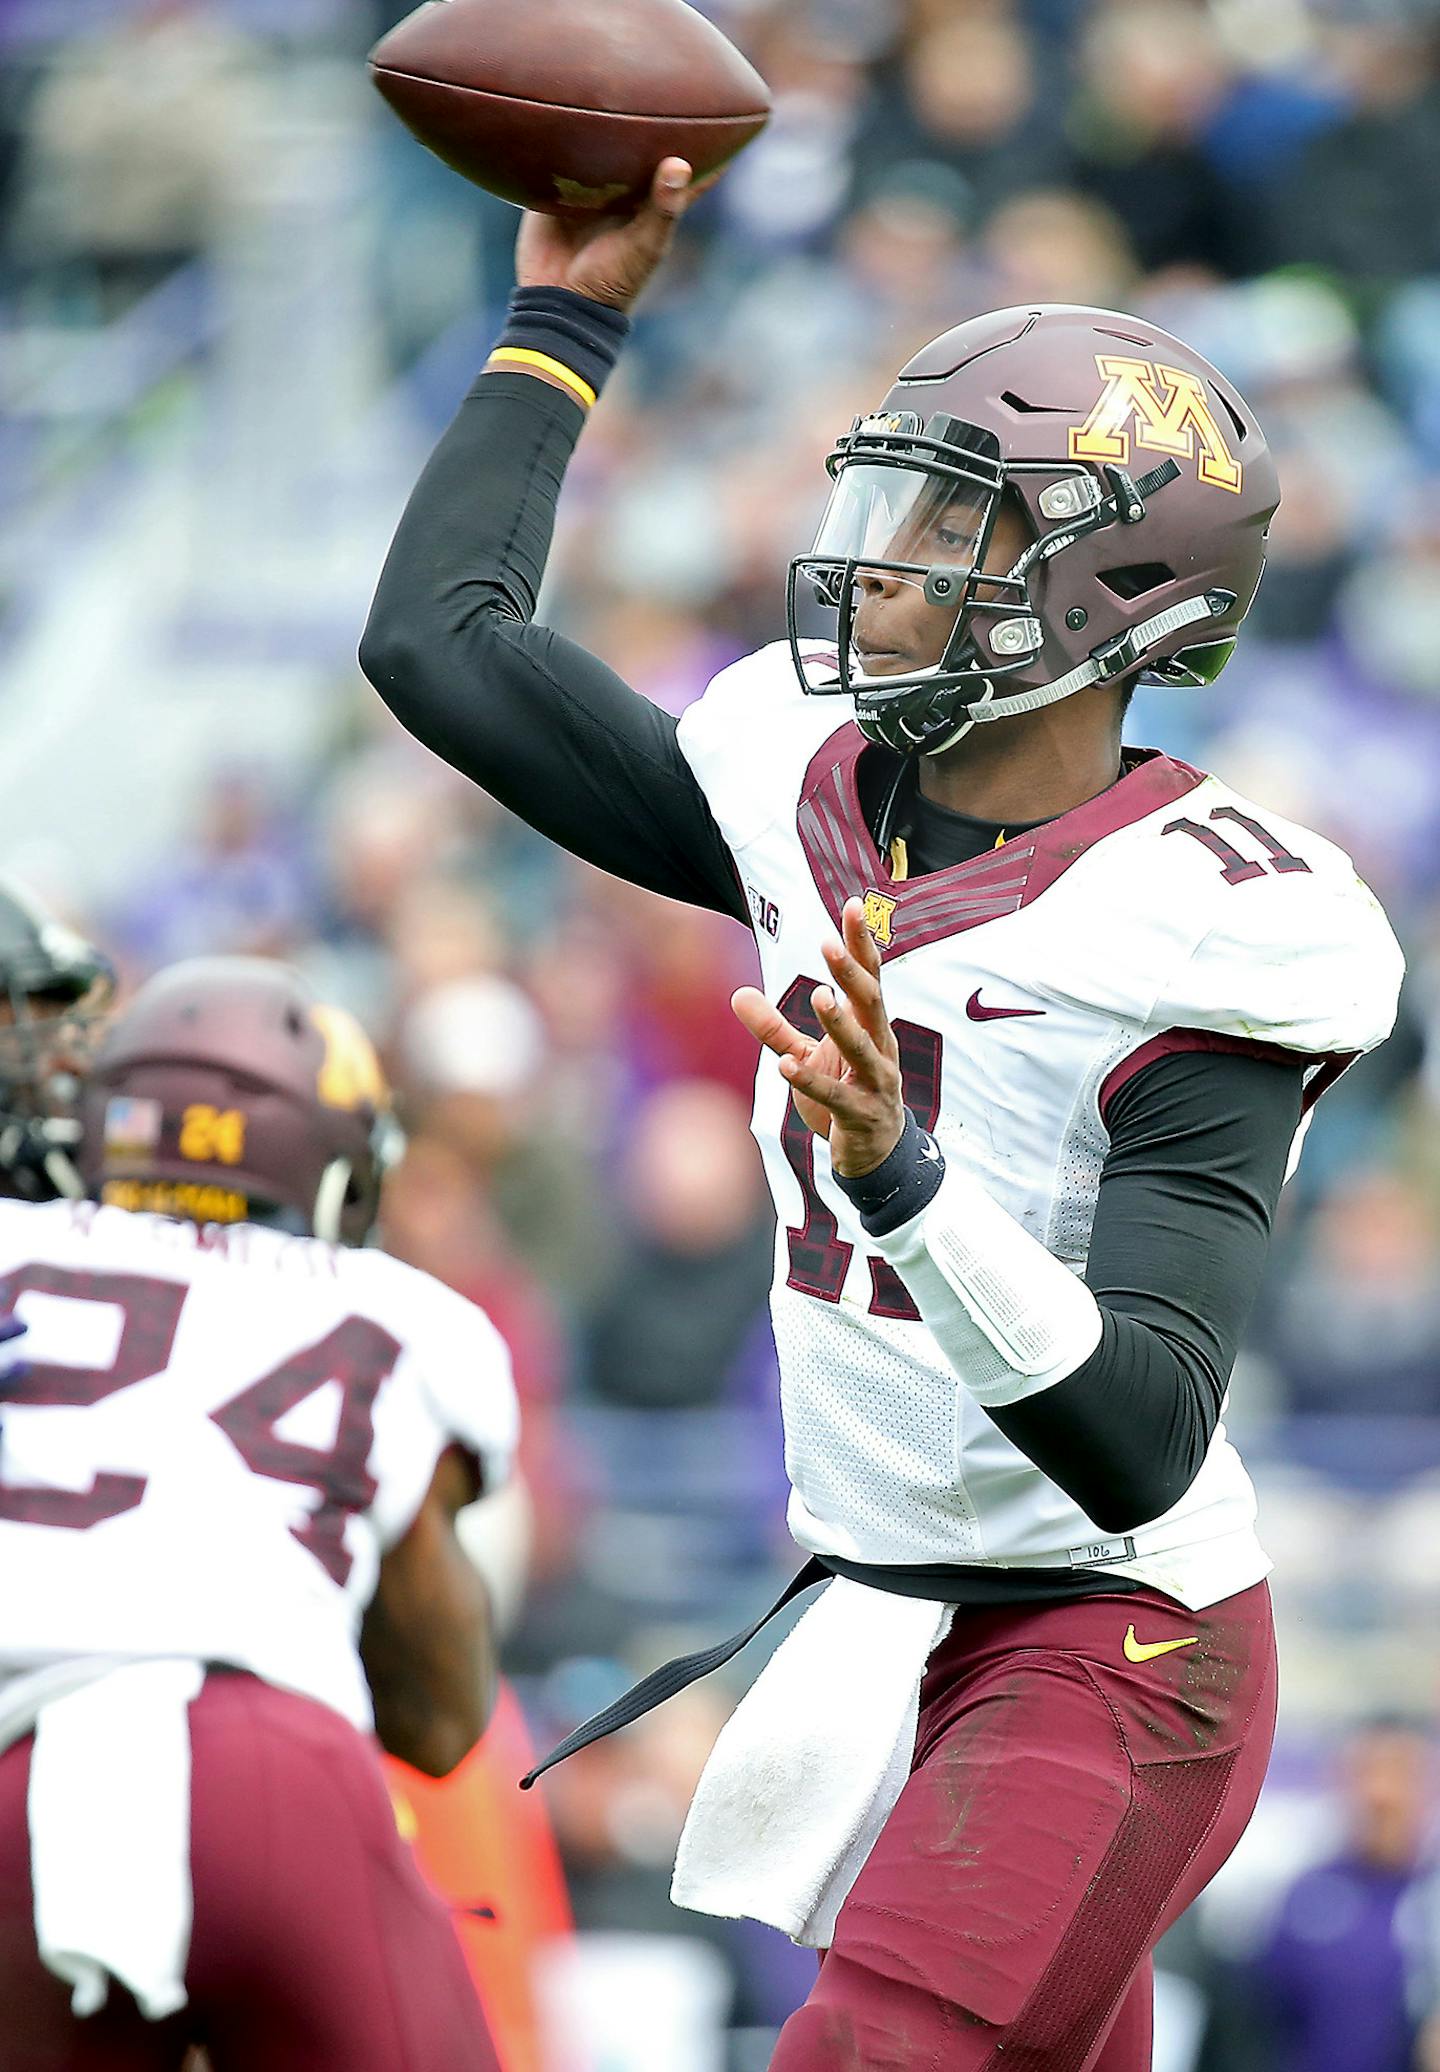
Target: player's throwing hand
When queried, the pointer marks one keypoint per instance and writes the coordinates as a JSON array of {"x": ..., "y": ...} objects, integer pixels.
[
  {"x": 846, "y": 1084},
  {"x": 607, "y": 258}
]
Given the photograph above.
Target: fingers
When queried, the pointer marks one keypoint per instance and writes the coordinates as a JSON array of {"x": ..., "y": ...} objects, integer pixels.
[
  {"x": 855, "y": 966},
  {"x": 810, "y": 1079},
  {"x": 860, "y": 943},
  {"x": 766, "y": 1023},
  {"x": 853, "y": 1042},
  {"x": 627, "y": 250},
  {"x": 670, "y": 190}
]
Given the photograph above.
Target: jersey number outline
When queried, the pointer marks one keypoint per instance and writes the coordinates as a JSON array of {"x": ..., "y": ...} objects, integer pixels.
[
  {"x": 819, "y": 1256},
  {"x": 1237, "y": 868},
  {"x": 357, "y": 1354}
]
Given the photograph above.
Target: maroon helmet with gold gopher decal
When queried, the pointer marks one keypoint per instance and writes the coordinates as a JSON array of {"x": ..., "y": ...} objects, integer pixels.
[
  {"x": 1145, "y": 484},
  {"x": 225, "y": 1092}
]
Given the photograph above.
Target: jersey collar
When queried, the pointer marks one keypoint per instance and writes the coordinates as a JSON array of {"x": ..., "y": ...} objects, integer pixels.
[{"x": 906, "y": 914}]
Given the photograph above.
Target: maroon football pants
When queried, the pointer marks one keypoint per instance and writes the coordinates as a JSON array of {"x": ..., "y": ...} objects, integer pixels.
[
  {"x": 316, "y": 1942},
  {"x": 1066, "y": 1803}
]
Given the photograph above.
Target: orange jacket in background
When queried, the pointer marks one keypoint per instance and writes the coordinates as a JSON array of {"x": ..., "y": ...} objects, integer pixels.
[{"x": 487, "y": 1848}]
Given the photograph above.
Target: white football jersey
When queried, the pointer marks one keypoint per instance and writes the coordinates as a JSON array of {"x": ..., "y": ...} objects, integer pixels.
[
  {"x": 218, "y": 1435},
  {"x": 1025, "y": 987}
]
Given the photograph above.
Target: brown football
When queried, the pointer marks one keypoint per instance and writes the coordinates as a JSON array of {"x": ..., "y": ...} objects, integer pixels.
[{"x": 569, "y": 105}]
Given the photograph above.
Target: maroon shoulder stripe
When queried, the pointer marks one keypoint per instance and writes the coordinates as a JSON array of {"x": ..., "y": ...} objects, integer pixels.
[{"x": 1326, "y": 1066}]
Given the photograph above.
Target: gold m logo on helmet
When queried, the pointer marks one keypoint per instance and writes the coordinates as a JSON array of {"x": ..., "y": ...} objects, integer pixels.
[
  {"x": 1169, "y": 412},
  {"x": 350, "y": 1075}
]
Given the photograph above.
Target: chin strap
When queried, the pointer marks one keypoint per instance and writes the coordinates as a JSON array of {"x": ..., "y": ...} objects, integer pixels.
[{"x": 1116, "y": 657}]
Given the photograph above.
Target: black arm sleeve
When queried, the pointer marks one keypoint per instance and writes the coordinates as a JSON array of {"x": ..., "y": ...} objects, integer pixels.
[
  {"x": 545, "y": 727},
  {"x": 1198, "y": 1148}
]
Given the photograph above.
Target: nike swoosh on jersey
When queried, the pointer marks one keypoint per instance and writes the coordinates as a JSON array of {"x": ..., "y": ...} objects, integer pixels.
[
  {"x": 979, "y": 1013},
  {"x": 1147, "y": 1650}
]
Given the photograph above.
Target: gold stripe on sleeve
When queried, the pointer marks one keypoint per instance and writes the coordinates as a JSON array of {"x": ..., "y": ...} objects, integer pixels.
[{"x": 521, "y": 356}]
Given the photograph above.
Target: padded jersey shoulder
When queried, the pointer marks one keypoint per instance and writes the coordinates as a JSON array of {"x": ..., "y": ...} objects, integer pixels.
[
  {"x": 449, "y": 1349},
  {"x": 1213, "y": 913},
  {"x": 461, "y": 1361},
  {"x": 750, "y": 737},
  {"x": 1291, "y": 947}
]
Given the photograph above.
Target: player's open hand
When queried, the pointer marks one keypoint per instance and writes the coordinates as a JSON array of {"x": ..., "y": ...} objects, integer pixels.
[
  {"x": 847, "y": 1083},
  {"x": 609, "y": 258}
]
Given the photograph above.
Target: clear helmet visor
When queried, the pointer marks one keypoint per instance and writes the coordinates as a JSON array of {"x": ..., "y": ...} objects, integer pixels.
[{"x": 881, "y": 514}]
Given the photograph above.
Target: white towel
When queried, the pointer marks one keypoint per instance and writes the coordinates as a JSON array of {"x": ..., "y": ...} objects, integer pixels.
[
  {"x": 806, "y": 1770},
  {"x": 110, "y": 1834}
]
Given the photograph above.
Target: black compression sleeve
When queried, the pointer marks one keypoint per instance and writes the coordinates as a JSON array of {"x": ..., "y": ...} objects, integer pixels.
[
  {"x": 1198, "y": 1148},
  {"x": 545, "y": 727}
]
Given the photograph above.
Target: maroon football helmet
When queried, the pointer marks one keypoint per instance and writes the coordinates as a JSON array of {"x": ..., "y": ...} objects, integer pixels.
[
  {"x": 1144, "y": 481},
  {"x": 225, "y": 1092}
]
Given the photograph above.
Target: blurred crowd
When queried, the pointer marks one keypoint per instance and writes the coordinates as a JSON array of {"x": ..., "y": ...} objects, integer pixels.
[{"x": 1263, "y": 177}]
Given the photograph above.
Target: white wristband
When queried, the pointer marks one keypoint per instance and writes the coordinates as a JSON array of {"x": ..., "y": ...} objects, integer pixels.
[{"x": 1009, "y": 1318}]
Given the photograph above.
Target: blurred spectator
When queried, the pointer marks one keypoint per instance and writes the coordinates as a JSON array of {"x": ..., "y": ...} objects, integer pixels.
[
  {"x": 970, "y": 96},
  {"x": 1332, "y": 1972},
  {"x": 618, "y": 1810},
  {"x": 577, "y": 976},
  {"x": 439, "y": 930},
  {"x": 1364, "y": 198},
  {"x": 383, "y": 830},
  {"x": 684, "y": 964},
  {"x": 134, "y": 140},
  {"x": 473, "y": 1054},
  {"x": 789, "y": 190},
  {"x": 437, "y": 1217},
  {"x": 1153, "y": 74},
  {"x": 902, "y": 277},
  {"x": 1390, "y": 607},
  {"x": 242, "y": 886},
  {"x": 693, "y": 1263},
  {"x": 1053, "y": 245},
  {"x": 1357, "y": 1324}
]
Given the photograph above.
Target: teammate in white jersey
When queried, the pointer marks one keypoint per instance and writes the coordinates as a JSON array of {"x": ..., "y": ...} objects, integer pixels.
[
  {"x": 1026, "y": 1134},
  {"x": 230, "y": 1470}
]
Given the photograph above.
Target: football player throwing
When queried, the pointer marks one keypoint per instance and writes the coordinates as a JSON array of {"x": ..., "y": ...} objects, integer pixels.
[{"x": 1042, "y": 1018}]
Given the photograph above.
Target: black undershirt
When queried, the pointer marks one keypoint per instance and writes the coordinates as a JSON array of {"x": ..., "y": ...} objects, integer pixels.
[
  {"x": 1199, "y": 1140},
  {"x": 937, "y": 837}
]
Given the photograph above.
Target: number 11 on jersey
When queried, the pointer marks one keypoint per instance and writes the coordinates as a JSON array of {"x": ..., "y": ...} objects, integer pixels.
[{"x": 819, "y": 1256}]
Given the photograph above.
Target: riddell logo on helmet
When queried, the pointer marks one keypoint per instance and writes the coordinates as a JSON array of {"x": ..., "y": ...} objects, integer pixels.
[{"x": 1169, "y": 411}]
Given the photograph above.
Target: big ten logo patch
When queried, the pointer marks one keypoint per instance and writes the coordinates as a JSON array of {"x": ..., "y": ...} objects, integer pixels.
[
  {"x": 879, "y": 913},
  {"x": 1165, "y": 409},
  {"x": 763, "y": 912}
]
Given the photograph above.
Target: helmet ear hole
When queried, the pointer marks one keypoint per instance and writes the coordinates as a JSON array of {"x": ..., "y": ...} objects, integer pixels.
[{"x": 1137, "y": 580}]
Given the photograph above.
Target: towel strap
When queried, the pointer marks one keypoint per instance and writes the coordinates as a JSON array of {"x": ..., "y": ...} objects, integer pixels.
[{"x": 671, "y": 1677}]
